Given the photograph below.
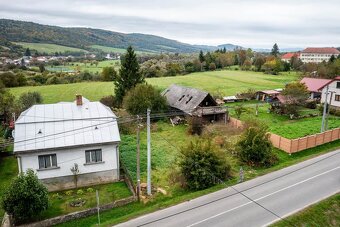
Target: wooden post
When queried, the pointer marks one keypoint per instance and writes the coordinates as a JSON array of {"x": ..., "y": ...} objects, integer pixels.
[{"x": 138, "y": 159}]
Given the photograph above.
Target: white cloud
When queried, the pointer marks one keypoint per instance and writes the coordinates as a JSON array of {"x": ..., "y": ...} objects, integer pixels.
[{"x": 253, "y": 23}]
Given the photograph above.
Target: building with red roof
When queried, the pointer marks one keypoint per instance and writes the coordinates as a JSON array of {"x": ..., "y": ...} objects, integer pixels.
[
  {"x": 314, "y": 85},
  {"x": 318, "y": 54},
  {"x": 332, "y": 88},
  {"x": 286, "y": 57}
]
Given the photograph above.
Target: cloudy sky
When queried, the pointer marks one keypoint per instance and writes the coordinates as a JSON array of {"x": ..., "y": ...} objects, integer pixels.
[{"x": 249, "y": 23}]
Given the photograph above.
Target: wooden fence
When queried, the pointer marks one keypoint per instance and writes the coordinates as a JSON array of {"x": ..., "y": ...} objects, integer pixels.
[{"x": 295, "y": 145}]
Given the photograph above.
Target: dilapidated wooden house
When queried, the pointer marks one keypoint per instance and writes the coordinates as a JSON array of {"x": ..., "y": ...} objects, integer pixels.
[{"x": 194, "y": 102}]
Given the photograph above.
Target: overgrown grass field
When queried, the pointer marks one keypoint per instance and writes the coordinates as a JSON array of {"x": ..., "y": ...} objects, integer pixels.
[
  {"x": 49, "y": 48},
  {"x": 222, "y": 83}
]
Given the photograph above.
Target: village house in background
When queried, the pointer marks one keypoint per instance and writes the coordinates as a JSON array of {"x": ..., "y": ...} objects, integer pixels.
[
  {"x": 52, "y": 139},
  {"x": 318, "y": 54},
  {"x": 194, "y": 102},
  {"x": 333, "y": 97},
  {"x": 314, "y": 86},
  {"x": 288, "y": 56}
]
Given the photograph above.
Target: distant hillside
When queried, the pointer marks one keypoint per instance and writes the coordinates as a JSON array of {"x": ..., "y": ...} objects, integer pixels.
[
  {"x": 229, "y": 47},
  {"x": 84, "y": 38}
]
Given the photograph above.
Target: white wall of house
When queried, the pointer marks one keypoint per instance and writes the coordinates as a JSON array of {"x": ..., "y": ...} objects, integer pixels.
[
  {"x": 67, "y": 157},
  {"x": 315, "y": 57},
  {"x": 332, "y": 88}
]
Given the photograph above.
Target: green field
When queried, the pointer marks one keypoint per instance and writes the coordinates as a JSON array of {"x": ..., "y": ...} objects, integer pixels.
[
  {"x": 82, "y": 67},
  {"x": 107, "y": 49},
  {"x": 324, "y": 213},
  {"x": 49, "y": 48},
  {"x": 218, "y": 83}
]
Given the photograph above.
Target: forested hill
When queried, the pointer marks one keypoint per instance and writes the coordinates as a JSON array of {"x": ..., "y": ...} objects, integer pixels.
[{"x": 84, "y": 38}]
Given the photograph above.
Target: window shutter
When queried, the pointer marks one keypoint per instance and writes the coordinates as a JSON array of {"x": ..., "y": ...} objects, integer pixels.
[
  {"x": 87, "y": 156},
  {"x": 54, "y": 160},
  {"x": 41, "y": 162},
  {"x": 99, "y": 155}
]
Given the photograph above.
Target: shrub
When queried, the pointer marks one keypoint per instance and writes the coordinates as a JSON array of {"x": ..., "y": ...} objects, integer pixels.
[
  {"x": 311, "y": 104},
  {"x": 203, "y": 164},
  {"x": 144, "y": 96},
  {"x": 239, "y": 109},
  {"x": 69, "y": 192},
  {"x": 90, "y": 190},
  {"x": 195, "y": 125},
  {"x": 26, "y": 100},
  {"x": 80, "y": 192},
  {"x": 25, "y": 197},
  {"x": 255, "y": 147},
  {"x": 57, "y": 196},
  {"x": 109, "y": 101}
]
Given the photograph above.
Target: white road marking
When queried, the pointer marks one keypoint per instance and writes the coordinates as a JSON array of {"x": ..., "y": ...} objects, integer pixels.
[{"x": 245, "y": 204}]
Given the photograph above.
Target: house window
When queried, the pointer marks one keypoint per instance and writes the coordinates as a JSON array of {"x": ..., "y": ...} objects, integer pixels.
[
  {"x": 337, "y": 84},
  {"x": 93, "y": 156},
  {"x": 337, "y": 98},
  {"x": 47, "y": 161}
]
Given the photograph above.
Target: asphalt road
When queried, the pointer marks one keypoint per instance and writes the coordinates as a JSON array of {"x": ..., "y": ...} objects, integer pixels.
[{"x": 276, "y": 195}]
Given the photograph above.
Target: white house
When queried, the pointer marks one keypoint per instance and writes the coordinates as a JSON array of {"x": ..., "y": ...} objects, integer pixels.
[
  {"x": 333, "y": 92},
  {"x": 52, "y": 138},
  {"x": 318, "y": 54}
]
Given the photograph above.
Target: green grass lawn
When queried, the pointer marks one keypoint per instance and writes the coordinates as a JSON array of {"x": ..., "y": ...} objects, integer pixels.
[
  {"x": 8, "y": 170},
  {"x": 224, "y": 82},
  {"x": 282, "y": 125},
  {"x": 59, "y": 201},
  {"x": 324, "y": 213},
  {"x": 49, "y": 48}
]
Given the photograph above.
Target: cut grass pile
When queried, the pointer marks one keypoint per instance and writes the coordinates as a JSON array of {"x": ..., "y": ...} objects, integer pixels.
[
  {"x": 282, "y": 125},
  {"x": 324, "y": 213},
  {"x": 222, "y": 83},
  {"x": 49, "y": 48}
]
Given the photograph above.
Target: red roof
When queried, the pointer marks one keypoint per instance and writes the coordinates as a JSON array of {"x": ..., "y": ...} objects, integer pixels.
[
  {"x": 330, "y": 81},
  {"x": 270, "y": 92},
  {"x": 321, "y": 50},
  {"x": 314, "y": 84},
  {"x": 289, "y": 55}
]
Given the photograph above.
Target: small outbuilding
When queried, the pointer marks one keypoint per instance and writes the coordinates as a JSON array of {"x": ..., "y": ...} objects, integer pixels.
[
  {"x": 52, "y": 139},
  {"x": 267, "y": 95},
  {"x": 194, "y": 102}
]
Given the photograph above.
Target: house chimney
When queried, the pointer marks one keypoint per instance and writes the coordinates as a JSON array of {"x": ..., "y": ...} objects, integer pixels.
[{"x": 79, "y": 100}]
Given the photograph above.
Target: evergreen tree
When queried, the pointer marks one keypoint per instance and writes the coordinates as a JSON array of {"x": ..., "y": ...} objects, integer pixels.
[
  {"x": 201, "y": 59},
  {"x": 275, "y": 50},
  {"x": 129, "y": 75},
  {"x": 332, "y": 58},
  {"x": 28, "y": 52},
  {"x": 224, "y": 50}
]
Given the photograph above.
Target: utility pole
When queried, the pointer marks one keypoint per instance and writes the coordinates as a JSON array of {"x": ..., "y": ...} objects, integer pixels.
[
  {"x": 138, "y": 159},
  {"x": 324, "y": 111},
  {"x": 329, "y": 107},
  {"x": 149, "y": 151}
]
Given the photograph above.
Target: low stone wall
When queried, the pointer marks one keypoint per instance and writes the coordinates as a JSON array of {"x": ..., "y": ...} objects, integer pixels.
[
  {"x": 295, "y": 145},
  {"x": 80, "y": 214}
]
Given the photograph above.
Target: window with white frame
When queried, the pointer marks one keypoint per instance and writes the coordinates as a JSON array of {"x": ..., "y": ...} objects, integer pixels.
[
  {"x": 337, "y": 98},
  {"x": 93, "y": 156},
  {"x": 337, "y": 84},
  {"x": 47, "y": 161}
]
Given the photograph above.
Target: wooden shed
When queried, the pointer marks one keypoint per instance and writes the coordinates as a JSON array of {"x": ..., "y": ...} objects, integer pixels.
[{"x": 194, "y": 102}]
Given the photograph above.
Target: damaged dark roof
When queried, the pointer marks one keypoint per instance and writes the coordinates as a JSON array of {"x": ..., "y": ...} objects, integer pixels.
[{"x": 185, "y": 99}]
